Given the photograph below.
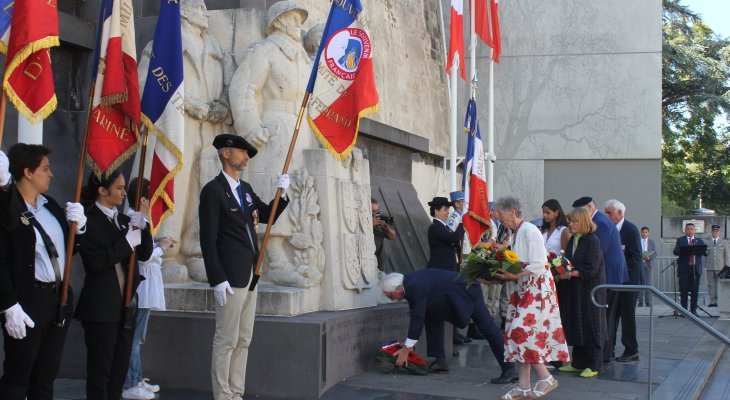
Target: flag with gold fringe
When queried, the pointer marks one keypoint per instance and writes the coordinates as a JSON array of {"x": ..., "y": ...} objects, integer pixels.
[
  {"x": 162, "y": 111},
  {"x": 28, "y": 79},
  {"x": 342, "y": 83},
  {"x": 115, "y": 112}
]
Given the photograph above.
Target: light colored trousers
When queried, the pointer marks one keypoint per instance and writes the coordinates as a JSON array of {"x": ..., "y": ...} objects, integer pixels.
[
  {"x": 491, "y": 300},
  {"x": 712, "y": 284},
  {"x": 233, "y": 333}
]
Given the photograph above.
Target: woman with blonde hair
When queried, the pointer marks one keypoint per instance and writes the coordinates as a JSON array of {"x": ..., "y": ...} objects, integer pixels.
[{"x": 584, "y": 324}]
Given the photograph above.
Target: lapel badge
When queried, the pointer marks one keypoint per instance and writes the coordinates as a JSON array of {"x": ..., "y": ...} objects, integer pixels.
[
  {"x": 234, "y": 209},
  {"x": 249, "y": 200},
  {"x": 24, "y": 220}
]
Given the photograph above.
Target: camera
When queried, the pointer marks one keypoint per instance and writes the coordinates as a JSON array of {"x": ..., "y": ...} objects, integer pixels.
[{"x": 388, "y": 219}]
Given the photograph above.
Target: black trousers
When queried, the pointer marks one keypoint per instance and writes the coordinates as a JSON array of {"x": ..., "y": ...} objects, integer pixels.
[
  {"x": 626, "y": 313},
  {"x": 31, "y": 364},
  {"x": 589, "y": 355},
  {"x": 689, "y": 284},
  {"x": 612, "y": 299},
  {"x": 484, "y": 322},
  {"x": 108, "y": 347}
]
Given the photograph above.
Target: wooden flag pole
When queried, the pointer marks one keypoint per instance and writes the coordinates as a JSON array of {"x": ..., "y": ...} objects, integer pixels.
[
  {"x": 129, "y": 311},
  {"x": 63, "y": 296},
  {"x": 3, "y": 103},
  {"x": 275, "y": 205}
]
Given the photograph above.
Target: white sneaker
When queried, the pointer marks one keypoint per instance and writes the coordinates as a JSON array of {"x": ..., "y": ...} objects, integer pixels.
[
  {"x": 137, "y": 393},
  {"x": 149, "y": 387}
]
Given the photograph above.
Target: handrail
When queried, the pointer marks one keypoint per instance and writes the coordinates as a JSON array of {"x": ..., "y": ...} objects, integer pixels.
[
  {"x": 664, "y": 298},
  {"x": 672, "y": 304}
]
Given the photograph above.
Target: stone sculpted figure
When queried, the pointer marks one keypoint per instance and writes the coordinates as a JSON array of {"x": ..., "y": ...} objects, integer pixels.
[{"x": 266, "y": 93}]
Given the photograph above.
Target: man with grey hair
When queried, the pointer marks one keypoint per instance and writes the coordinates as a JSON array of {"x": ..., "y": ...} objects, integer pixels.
[
  {"x": 626, "y": 308},
  {"x": 435, "y": 296}
]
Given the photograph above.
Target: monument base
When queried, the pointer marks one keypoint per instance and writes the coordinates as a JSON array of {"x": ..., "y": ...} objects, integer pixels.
[
  {"x": 723, "y": 298},
  {"x": 290, "y": 357}
]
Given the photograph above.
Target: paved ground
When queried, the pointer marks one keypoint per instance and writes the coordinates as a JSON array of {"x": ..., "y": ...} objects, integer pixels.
[{"x": 474, "y": 365}]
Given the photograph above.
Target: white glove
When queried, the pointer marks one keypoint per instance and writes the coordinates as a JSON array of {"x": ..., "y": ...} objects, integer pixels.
[
  {"x": 136, "y": 219},
  {"x": 219, "y": 291},
  {"x": 75, "y": 213},
  {"x": 134, "y": 237},
  {"x": 15, "y": 321},
  {"x": 283, "y": 183},
  {"x": 4, "y": 169}
]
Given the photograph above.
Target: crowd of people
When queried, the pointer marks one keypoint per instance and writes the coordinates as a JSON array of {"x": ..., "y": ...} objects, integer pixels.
[{"x": 530, "y": 318}]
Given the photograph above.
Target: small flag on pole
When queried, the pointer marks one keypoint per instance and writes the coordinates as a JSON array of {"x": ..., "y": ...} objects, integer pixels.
[
  {"x": 481, "y": 19},
  {"x": 456, "y": 38},
  {"x": 476, "y": 200},
  {"x": 29, "y": 30},
  {"x": 342, "y": 83},
  {"x": 115, "y": 113},
  {"x": 162, "y": 111},
  {"x": 496, "y": 35}
]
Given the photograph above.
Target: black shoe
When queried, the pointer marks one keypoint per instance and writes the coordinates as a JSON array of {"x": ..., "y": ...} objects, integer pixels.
[
  {"x": 460, "y": 339},
  {"x": 474, "y": 333},
  {"x": 438, "y": 367},
  {"x": 556, "y": 364},
  {"x": 712, "y": 305},
  {"x": 508, "y": 376},
  {"x": 458, "y": 342},
  {"x": 628, "y": 357}
]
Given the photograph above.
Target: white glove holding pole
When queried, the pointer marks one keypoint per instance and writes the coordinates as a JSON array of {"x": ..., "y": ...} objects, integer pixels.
[
  {"x": 75, "y": 213},
  {"x": 219, "y": 291},
  {"x": 16, "y": 320},
  {"x": 4, "y": 169},
  {"x": 134, "y": 237},
  {"x": 136, "y": 219},
  {"x": 283, "y": 183}
]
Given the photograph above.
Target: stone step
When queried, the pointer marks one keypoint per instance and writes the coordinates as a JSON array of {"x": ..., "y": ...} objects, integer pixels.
[
  {"x": 689, "y": 378},
  {"x": 718, "y": 386}
]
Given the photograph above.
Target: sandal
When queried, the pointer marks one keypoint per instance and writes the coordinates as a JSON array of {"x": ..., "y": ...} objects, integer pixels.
[
  {"x": 516, "y": 393},
  {"x": 569, "y": 368},
  {"x": 544, "y": 386},
  {"x": 588, "y": 373}
]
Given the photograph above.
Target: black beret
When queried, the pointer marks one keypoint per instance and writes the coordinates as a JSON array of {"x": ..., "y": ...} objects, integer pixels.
[
  {"x": 582, "y": 201},
  {"x": 715, "y": 227},
  {"x": 234, "y": 141},
  {"x": 439, "y": 202}
]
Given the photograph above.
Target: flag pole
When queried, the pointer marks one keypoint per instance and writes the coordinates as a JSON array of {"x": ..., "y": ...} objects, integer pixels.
[
  {"x": 491, "y": 157},
  {"x": 3, "y": 103},
  {"x": 63, "y": 297},
  {"x": 453, "y": 122},
  {"x": 443, "y": 44},
  {"x": 128, "y": 310},
  {"x": 277, "y": 197}
]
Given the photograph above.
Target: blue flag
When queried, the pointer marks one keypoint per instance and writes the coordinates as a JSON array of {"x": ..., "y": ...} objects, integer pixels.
[{"x": 6, "y": 16}]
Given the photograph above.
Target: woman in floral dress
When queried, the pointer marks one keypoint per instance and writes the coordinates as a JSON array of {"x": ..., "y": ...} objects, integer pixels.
[{"x": 533, "y": 333}]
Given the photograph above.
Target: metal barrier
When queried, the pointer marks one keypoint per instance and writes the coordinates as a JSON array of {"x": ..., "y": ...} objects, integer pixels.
[{"x": 669, "y": 302}]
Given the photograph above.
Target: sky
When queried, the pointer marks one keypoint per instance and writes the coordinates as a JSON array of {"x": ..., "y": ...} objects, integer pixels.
[{"x": 715, "y": 13}]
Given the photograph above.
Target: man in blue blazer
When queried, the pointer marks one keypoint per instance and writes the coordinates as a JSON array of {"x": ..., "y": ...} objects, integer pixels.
[
  {"x": 613, "y": 260},
  {"x": 689, "y": 268},
  {"x": 435, "y": 296}
]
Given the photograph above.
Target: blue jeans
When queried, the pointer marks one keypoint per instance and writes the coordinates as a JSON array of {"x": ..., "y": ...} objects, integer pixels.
[{"x": 134, "y": 374}]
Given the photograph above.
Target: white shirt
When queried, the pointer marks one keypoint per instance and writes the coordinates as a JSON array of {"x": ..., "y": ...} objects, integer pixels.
[
  {"x": 43, "y": 267},
  {"x": 234, "y": 184},
  {"x": 529, "y": 245},
  {"x": 644, "y": 244},
  {"x": 620, "y": 225},
  {"x": 151, "y": 291}
]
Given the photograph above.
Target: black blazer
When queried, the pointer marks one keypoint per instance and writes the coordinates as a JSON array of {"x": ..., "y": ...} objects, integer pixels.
[
  {"x": 631, "y": 241},
  {"x": 683, "y": 266},
  {"x": 17, "y": 249},
  {"x": 228, "y": 252},
  {"x": 104, "y": 245},
  {"x": 444, "y": 245}
]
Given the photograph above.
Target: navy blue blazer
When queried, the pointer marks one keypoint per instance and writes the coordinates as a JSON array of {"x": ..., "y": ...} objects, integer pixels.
[
  {"x": 440, "y": 295},
  {"x": 683, "y": 266},
  {"x": 444, "y": 245},
  {"x": 613, "y": 256},
  {"x": 631, "y": 240}
]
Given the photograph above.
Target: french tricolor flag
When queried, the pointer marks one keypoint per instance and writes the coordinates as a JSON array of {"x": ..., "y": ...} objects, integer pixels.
[
  {"x": 162, "y": 111},
  {"x": 476, "y": 199},
  {"x": 456, "y": 38}
]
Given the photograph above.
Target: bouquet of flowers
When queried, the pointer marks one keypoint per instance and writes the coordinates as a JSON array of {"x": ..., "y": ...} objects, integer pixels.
[
  {"x": 558, "y": 264},
  {"x": 416, "y": 364},
  {"x": 484, "y": 262}
]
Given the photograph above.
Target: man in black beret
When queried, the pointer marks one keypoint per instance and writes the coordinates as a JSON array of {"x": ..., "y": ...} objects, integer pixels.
[{"x": 229, "y": 210}]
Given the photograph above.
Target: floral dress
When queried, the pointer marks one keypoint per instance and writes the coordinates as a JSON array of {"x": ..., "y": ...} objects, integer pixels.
[{"x": 533, "y": 332}]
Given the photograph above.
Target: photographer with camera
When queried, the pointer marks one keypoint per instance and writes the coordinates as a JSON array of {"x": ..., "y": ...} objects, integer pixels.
[{"x": 382, "y": 229}]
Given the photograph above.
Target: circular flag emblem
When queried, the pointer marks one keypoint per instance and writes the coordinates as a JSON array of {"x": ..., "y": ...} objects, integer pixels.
[{"x": 345, "y": 51}]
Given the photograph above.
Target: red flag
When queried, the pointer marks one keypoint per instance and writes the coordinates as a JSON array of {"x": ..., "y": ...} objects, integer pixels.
[
  {"x": 115, "y": 113},
  {"x": 456, "y": 40},
  {"x": 496, "y": 35},
  {"x": 28, "y": 79},
  {"x": 481, "y": 19}
]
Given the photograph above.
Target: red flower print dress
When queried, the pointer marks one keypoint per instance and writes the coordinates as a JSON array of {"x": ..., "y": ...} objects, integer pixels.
[{"x": 533, "y": 332}]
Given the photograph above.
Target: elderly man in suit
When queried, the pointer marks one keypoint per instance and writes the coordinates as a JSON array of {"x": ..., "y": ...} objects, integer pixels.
[
  {"x": 613, "y": 260},
  {"x": 631, "y": 243},
  {"x": 435, "y": 296},
  {"x": 718, "y": 256},
  {"x": 229, "y": 209},
  {"x": 689, "y": 268},
  {"x": 648, "y": 253}
]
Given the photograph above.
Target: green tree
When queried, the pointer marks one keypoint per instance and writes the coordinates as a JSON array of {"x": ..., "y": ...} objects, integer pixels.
[{"x": 695, "y": 101}]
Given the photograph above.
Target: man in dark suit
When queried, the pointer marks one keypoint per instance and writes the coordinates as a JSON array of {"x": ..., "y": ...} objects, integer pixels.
[
  {"x": 631, "y": 243},
  {"x": 689, "y": 268},
  {"x": 613, "y": 260},
  {"x": 435, "y": 296},
  {"x": 229, "y": 210},
  {"x": 648, "y": 253}
]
